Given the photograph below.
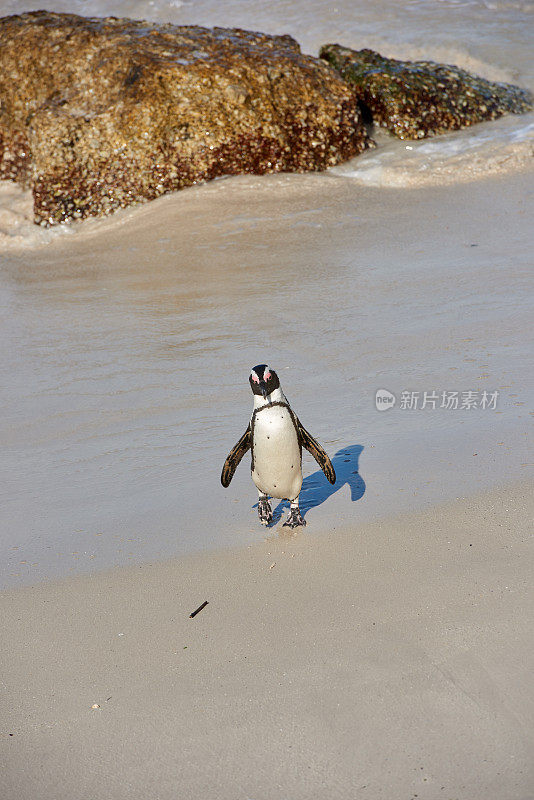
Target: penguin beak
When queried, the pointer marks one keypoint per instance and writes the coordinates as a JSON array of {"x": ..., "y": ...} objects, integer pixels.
[{"x": 263, "y": 387}]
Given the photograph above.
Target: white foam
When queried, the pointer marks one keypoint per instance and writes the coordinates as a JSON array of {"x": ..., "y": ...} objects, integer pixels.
[
  {"x": 506, "y": 145},
  {"x": 17, "y": 228}
]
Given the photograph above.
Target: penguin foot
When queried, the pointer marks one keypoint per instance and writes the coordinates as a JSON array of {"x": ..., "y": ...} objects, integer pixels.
[
  {"x": 295, "y": 519},
  {"x": 265, "y": 512}
]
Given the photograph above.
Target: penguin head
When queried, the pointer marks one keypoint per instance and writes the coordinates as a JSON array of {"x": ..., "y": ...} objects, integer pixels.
[{"x": 263, "y": 380}]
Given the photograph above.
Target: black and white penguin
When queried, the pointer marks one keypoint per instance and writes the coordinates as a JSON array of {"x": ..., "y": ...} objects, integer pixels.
[{"x": 276, "y": 439}]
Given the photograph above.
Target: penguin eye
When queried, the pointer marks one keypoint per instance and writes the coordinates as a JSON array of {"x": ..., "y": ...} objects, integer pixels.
[
  {"x": 255, "y": 377},
  {"x": 267, "y": 376}
]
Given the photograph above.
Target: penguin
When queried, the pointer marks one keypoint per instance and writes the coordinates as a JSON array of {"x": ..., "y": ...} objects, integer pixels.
[{"x": 276, "y": 438}]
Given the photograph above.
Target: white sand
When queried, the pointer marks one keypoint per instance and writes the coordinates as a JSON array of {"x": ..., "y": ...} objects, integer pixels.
[{"x": 391, "y": 660}]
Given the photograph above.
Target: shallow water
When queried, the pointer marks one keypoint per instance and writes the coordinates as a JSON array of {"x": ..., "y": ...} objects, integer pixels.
[
  {"x": 128, "y": 341},
  {"x": 126, "y": 361}
]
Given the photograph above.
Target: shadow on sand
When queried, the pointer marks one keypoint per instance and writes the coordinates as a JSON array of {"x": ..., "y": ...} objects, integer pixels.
[{"x": 316, "y": 489}]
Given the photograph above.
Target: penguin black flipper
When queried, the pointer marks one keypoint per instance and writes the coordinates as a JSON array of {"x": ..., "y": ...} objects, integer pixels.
[
  {"x": 313, "y": 447},
  {"x": 234, "y": 457}
]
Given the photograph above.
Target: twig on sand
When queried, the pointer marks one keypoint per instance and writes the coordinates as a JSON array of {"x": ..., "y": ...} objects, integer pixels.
[{"x": 195, "y": 612}]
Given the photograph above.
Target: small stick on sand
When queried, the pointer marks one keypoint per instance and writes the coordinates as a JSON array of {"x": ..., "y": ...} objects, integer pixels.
[{"x": 195, "y": 612}]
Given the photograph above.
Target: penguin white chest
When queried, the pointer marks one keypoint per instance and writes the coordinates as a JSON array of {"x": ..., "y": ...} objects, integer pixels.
[{"x": 277, "y": 467}]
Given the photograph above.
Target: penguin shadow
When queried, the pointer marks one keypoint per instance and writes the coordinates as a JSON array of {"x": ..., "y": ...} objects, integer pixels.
[{"x": 316, "y": 489}]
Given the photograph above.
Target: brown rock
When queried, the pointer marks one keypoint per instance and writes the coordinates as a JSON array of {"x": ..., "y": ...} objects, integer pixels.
[
  {"x": 415, "y": 99},
  {"x": 96, "y": 114}
]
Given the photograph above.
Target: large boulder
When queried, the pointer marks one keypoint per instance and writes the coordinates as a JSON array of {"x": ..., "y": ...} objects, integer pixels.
[
  {"x": 421, "y": 98},
  {"x": 96, "y": 114}
]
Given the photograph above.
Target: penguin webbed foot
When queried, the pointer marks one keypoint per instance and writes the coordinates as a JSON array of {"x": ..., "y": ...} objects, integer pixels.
[
  {"x": 265, "y": 512},
  {"x": 294, "y": 519}
]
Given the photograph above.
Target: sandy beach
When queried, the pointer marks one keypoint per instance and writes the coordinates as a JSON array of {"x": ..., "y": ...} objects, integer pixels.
[
  {"x": 386, "y": 651},
  {"x": 386, "y": 660}
]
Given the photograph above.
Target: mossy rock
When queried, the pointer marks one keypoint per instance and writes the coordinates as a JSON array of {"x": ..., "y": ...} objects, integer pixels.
[{"x": 415, "y": 99}]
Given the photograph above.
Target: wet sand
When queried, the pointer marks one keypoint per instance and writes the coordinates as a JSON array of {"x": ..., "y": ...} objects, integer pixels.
[
  {"x": 386, "y": 660},
  {"x": 128, "y": 347}
]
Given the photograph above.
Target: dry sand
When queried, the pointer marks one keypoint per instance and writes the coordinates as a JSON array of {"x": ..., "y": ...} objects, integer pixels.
[{"x": 387, "y": 660}]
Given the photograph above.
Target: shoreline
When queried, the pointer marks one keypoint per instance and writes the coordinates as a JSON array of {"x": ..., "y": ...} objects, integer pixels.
[
  {"x": 386, "y": 168},
  {"x": 113, "y": 452},
  {"x": 379, "y": 660}
]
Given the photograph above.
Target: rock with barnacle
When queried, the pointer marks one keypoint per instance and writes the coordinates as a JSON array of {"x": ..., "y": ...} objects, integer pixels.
[
  {"x": 421, "y": 98},
  {"x": 96, "y": 114}
]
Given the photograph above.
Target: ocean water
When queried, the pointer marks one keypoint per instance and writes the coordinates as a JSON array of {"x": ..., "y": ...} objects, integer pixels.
[{"x": 127, "y": 342}]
